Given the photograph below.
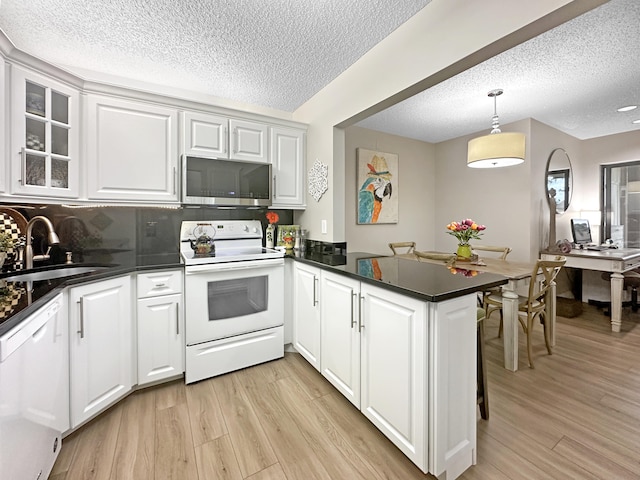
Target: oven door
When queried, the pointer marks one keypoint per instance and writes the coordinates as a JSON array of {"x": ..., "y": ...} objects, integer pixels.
[{"x": 227, "y": 299}]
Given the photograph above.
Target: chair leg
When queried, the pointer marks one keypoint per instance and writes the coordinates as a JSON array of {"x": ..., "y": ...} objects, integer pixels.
[
  {"x": 483, "y": 393},
  {"x": 528, "y": 332},
  {"x": 547, "y": 340}
]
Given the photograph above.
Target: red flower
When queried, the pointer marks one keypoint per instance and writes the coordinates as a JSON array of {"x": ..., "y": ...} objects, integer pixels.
[{"x": 272, "y": 217}]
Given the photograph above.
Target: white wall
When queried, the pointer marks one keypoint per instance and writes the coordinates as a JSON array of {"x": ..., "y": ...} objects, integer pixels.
[
  {"x": 443, "y": 39},
  {"x": 414, "y": 188}
]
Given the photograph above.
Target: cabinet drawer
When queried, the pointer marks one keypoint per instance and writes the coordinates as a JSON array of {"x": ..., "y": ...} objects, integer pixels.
[{"x": 159, "y": 283}]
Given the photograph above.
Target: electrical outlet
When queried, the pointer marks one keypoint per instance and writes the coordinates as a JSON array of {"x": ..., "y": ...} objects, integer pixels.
[{"x": 324, "y": 227}]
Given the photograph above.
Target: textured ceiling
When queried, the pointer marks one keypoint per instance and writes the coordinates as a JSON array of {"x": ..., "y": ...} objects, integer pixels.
[
  {"x": 279, "y": 53},
  {"x": 273, "y": 53},
  {"x": 572, "y": 78}
]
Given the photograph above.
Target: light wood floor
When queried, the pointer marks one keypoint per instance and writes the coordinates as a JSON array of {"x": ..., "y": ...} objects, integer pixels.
[{"x": 575, "y": 416}]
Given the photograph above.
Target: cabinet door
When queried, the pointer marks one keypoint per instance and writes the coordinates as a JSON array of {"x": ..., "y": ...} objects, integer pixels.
[
  {"x": 44, "y": 136},
  {"x": 287, "y": 157},
  {"x": 340, "y": 335},
  {"x": 160, "y": 338},
  {"x": 306, "y": 314},
  {"x": 452, "y": 385},
  {"x": 132, "y": 150},
  {"x": 394, "y": 368},
  {"x": 101, "y": 345},
  {"x": 248, "y": 141},
  {"x": 205, "y": 135}
]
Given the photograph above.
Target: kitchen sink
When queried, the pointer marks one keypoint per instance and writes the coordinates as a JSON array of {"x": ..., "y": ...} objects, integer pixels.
[{"x": 49, "y": 274}]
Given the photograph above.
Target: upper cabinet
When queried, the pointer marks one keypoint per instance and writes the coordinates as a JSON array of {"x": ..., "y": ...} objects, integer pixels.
[
  {"x": 205, "y": 135},
  {"x": 44, "y": 136},
  {"x": 213, "y": 136},
  {"x": 132, "y": 150},
  {"x": 287, "y": 158}
]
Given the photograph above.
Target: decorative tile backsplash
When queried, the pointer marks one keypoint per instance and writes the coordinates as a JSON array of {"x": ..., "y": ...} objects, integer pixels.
[{"x": 111, "y": 234}]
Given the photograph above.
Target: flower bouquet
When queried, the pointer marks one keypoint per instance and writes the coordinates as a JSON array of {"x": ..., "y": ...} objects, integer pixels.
[{"x": 465, "y": 231}]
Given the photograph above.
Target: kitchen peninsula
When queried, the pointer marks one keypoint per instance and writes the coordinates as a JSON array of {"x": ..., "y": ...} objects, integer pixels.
[{"x": 398, "y": 339}]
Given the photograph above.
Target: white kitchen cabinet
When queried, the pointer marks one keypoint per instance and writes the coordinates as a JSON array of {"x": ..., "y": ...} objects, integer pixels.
[
  {"x": 288, "y": 163},
  {"x": 409, "y": 365},
  {"x": 214, "y": 136},
  {"x": 160, "y": 322},
  {"x": 132, "y": 150},
  {"x": 340, "y": 334},
  {"x": 101, "y": 346},
  {"x": 394, "y": 368},
  {"x": 205, "y": 135},
  {"x": 306, "y": 313},
  {"x": 45, "y": 139},
  {"x": 249, "y": 141}
]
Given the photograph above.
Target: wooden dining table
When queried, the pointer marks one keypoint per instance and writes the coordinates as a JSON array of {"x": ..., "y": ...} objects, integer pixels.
[{"x": 519, "y": 275}]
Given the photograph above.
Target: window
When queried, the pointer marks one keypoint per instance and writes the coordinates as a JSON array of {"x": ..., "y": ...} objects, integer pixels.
[{"x": 621, "y": 203}]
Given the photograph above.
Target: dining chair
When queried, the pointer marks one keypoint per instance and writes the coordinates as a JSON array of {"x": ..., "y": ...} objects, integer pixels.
[
  {"x": 410, "y": 246},
  {"x": 448, "y": 258},
  {"x": 534, "y": 304},
  {"x": 503, "y": 251}
]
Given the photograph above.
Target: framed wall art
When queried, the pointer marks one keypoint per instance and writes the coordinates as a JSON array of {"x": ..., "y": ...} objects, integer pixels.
[{"x": 377, "y": 179}]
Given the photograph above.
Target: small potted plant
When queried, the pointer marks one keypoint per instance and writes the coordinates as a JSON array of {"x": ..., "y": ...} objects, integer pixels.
[{"x": 6, "y": 244}]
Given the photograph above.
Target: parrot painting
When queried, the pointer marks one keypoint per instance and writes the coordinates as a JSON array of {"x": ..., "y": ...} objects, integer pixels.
[{"x": 371, "y": 194}]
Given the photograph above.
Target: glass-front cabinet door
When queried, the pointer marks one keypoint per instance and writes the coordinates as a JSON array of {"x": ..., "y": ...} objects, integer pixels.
[{"x": 44, "y": 140}]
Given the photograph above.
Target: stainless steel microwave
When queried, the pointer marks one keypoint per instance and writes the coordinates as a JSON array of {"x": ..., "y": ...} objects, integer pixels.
[{"x": 212, "y": 181}]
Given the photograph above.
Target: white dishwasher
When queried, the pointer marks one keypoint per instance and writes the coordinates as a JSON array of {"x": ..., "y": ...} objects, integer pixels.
[{"x": 34, "y": 393}]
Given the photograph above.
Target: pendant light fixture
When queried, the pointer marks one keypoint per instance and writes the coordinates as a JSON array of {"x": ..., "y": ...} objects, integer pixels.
[{"x": 496, "y": 149}]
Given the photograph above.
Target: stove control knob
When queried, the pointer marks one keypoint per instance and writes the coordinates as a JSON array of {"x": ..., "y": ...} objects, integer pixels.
[
  {"x": 245, "y": 228},
  {"x": 255, "y": 229}
]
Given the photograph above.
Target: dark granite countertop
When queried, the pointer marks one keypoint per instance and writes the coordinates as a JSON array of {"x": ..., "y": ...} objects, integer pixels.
[
  {"x": 425, "y": 281},
  {"x": 19, "y": 304}
]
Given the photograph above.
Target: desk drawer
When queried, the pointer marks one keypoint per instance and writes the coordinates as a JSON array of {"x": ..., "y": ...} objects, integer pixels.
[{"x": 154, "y": 284}]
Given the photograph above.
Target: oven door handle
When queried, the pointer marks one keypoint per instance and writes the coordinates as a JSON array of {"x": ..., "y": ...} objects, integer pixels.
[{"x": 219, "y": 267}]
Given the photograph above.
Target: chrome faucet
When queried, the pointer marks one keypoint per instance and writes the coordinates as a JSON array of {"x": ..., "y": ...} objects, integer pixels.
[{"x": 52, "y": 238}]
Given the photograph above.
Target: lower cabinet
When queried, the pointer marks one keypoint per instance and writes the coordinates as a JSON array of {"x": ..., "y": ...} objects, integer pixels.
[
  {"x": 160, "y": 326},
  {"x": 407, "y": 364},
  {"x": 340, "y": 334},
  {"x": 306, "y": 313},
  {"x": 101, "y": 346}
]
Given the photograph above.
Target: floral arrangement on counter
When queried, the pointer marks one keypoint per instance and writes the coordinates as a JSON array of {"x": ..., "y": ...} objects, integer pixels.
[
  {"x": 272, "y": 217},
  {"x": 465, "y": 231}
]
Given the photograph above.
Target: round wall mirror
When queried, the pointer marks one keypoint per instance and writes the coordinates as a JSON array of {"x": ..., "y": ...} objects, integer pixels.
[{"x": 559, "y": 183}]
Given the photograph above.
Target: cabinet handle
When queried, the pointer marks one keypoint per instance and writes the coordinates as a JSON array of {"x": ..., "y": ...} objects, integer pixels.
[
  {"x": 81, "y": 304},
  {"x": 160, "y": 285},
  {"x": 177, "y": 319},
  {"x": 273, "y": 194},
  {"x": 225, "y": 141},
  {"x": 360, "y": 314},
  {"x": 315, "y": 295},
  {"x": 23, "y": 165},
  {"x": 353, "y": 319}
]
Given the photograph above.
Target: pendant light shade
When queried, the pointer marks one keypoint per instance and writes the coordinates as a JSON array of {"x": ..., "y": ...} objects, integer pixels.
[{"x": 496, "y": 149}]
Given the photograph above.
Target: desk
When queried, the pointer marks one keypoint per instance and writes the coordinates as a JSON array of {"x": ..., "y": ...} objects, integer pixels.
[
  {"x": 615, "y": 260},
  {"x": 519, "y": 274}
]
